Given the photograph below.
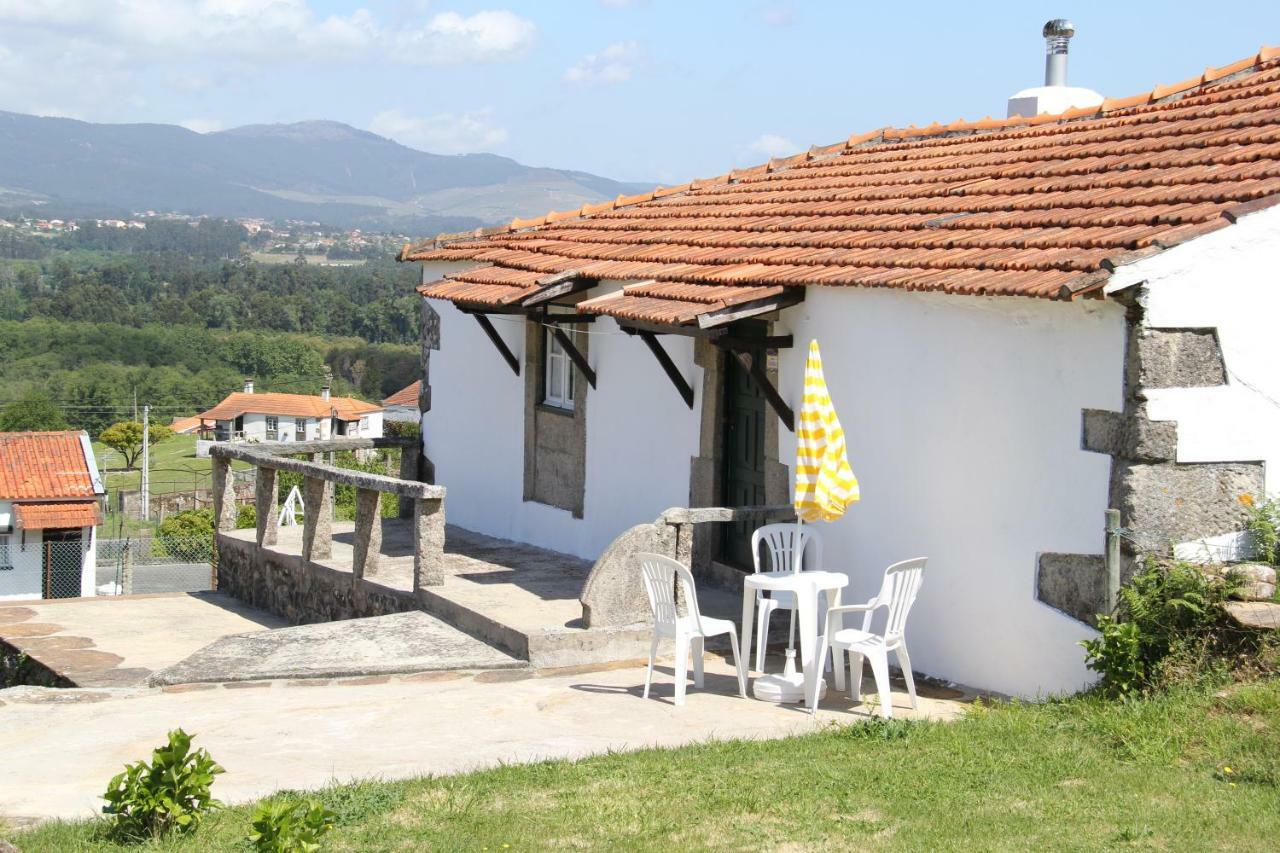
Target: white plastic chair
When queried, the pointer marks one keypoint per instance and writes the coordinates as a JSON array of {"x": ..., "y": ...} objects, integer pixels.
[
  {"x": 689, "y": 630},
  {"x": 783, "y": 541},
  {"x": 897, "y": 594}
]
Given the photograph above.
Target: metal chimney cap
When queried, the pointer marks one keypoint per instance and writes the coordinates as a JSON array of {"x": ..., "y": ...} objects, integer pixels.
[{"x": 1059, "y": 28}]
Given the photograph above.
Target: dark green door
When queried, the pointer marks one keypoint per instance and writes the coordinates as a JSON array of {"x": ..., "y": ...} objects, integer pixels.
[
  {"x": 744, "y": 414},
  {"x": 63, "y": 560}
]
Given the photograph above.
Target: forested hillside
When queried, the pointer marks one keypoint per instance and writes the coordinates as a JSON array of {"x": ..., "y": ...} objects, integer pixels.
[{"x": 180, "y": 316}]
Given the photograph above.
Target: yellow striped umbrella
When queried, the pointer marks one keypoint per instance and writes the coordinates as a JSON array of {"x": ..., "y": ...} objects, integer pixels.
[{"x": 825, "y": 485}]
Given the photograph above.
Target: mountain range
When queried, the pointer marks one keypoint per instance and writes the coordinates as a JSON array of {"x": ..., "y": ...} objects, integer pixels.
[{"x": 314, "y": 170}]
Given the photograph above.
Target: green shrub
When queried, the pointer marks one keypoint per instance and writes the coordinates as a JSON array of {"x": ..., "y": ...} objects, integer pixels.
[
  {"x": 169, "y": 794},
  {"x": 286, "y": 826},
  {"x": 246, "y": 516},
  {"x": 1264, "y": 529},
  {"x": 1168, "y": 622},
  {"x": 186, "y": 535}
]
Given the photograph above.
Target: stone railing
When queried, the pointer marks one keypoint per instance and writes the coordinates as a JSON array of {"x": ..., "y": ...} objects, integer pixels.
[
  {"x": 613, "y": 594},
  {"x": 421, "y": 502}
]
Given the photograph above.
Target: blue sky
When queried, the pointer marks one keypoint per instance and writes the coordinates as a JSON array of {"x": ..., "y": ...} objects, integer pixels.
[{"x": 657, "y": 90}]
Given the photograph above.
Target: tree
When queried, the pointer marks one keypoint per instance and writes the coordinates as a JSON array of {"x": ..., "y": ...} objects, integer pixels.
[
  {"x": 34, "y": 411},
  {"x": 125, "y": 437}
]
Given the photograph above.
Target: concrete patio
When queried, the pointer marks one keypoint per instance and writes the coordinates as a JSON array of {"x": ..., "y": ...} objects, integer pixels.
[
  {"x": 61, "y": 746},
  {"x": 520, "y": 598}
]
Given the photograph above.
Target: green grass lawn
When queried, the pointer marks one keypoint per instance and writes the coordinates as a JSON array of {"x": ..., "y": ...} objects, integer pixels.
[{"x": 1187, "y": 771}]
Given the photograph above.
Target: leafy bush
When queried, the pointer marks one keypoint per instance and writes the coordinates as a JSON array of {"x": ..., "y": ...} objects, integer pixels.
[
  {"x": 286, "y": 826},
  {"x": 186, "y": 535},
  {"x": 1168, "y": 619},
  {"x": 246, "y": 516},
  {"x": 170, "y": 794},
  {"x": 1264, "y": 529}
]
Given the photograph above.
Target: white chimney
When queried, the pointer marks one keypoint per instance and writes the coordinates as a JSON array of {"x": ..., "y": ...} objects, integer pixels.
[
  {"x": 248, "y": 385},
  {"x": 1055, "y": 96},
  {"x": 324, "y": 392}
]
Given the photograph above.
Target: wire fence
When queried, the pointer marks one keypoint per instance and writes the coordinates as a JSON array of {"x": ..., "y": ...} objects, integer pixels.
[{"x": 66, "y": 564}]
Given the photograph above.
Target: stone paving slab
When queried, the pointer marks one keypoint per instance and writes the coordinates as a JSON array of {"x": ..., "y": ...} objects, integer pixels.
[
  {"x": 58, "y": 755},
  {"x": 118, "y": 641},
  {"x": 397, "y": 643}
]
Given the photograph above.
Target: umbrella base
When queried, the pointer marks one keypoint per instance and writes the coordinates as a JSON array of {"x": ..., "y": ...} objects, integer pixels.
[{"x": 787, "y": 687}]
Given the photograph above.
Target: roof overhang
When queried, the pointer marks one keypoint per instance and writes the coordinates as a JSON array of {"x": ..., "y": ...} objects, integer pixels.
[{"x": 59, "y": 514}]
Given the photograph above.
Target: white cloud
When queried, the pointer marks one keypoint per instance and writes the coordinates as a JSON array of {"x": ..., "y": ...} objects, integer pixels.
[
  {"x": 772, "y": 145},
  {"x": 89, "y": 56},
  {"x": 261, "y": 30},
  {"x": 451, "y": 38},
  {"x": 615, "y": 64},
  {"x": 780, "y": 13},
  {"x": 444, "y": 133},
  {"x": 202, "y": 125}
]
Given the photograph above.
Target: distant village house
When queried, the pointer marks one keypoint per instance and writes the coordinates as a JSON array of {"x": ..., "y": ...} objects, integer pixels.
[
  {"x": 50, "y": 507},
  {"x": 246, "y": 416}
]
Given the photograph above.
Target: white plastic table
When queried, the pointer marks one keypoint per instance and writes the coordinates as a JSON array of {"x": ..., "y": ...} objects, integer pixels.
[{"x": 806, "y": 586}]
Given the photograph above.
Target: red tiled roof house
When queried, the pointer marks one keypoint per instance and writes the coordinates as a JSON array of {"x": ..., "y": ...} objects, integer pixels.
[
  {"x": 268, "y": 416},
  {"x": 1023, "y": 321},
  {"x": 50, "y": 508},
  {"x": 403, "y": 405}
]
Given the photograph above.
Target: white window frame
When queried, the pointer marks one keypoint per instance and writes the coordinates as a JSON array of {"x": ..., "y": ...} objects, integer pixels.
[
  {"x": 559, "y": 367},
  {"x": 300, "y": 429}
]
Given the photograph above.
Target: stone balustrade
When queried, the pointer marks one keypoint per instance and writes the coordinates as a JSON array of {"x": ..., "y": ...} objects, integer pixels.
[
  {"x": 613, "y": 594},
  {"x": 423, "y": 503}
]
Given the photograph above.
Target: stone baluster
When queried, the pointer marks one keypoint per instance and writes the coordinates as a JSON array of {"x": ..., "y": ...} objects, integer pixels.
[
  {"x": 428, "y": 543},
  {"x": 224, "y": 494},
  {"x": 317, "y": 520},
  {"x": 368, "y": 535},
  {"x": 264, "y": 497}
]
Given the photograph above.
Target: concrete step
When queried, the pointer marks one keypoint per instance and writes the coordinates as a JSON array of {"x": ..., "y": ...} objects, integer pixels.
[{"x": 397, "y": 643}]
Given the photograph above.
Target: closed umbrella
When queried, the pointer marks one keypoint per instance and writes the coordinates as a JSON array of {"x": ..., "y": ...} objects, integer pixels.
[{"x": 825, "y": 487}]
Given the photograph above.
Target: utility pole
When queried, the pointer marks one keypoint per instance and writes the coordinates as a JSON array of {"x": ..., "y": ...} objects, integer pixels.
[
  {"x": 146, "y": 463},
  {"x": 135, "y": 402}
]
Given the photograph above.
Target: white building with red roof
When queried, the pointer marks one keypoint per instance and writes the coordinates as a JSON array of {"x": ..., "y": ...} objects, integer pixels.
[
  {"x": 50, "y": 507},
  {"x": 268, "y": 416},
  {"x": 1024, "y": 322}
]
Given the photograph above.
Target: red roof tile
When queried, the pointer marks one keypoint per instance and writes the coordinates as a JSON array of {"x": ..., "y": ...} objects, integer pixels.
[
  {"x": 69, "y": 514},
  {"x": 291, "y": 405},
  {"x": 42, "y": 465},
  {"x": 406, "y": 396},
  {"x": 1027, "y": 207}
]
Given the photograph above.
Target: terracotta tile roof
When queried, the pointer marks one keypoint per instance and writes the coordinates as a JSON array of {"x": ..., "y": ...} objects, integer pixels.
[
  {"x": 43, "y": 465},
  {"x": 289, "y": 405},
  {"x": 183, "y": 425},
  {"x": 47, "y": 515},
  {"x": 1043, "y": 207},
  {"x": 406, "y": 396}
]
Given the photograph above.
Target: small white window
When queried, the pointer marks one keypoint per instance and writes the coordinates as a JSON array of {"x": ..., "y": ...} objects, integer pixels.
[
  {"x": 560, "y": 380},
  {"x": 300, "y": 428},
  {"x": 6, "y": 556},
  {"x": 364, "y": 424}
]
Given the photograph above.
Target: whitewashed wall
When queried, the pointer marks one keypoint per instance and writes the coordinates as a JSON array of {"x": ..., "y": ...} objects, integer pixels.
[
  {"x": 1228, "y": 280},
  {"x": 640, "y": 436},
  {"x": 963, "y": 418},
  {"x": 25, "y": 581}
]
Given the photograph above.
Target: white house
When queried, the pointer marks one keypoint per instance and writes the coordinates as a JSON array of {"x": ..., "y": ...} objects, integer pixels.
[
  {"x": 50, "y": 509},
  {"x": 1024, "y": 322},
  {"x": 246, "y": 416}
]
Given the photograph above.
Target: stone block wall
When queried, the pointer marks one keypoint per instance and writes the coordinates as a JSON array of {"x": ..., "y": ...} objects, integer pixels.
[
  {"x": 1162, "y": 502},
  {"x": 298, "y": 590}
]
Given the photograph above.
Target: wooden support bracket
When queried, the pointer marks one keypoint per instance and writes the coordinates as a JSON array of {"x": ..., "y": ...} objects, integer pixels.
[
  {"x": 503, "y": 349},
  {"x": 574, "y": 355},
  {"x": 756, "y": 370},
  {"x": 669, "y": 366}
]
